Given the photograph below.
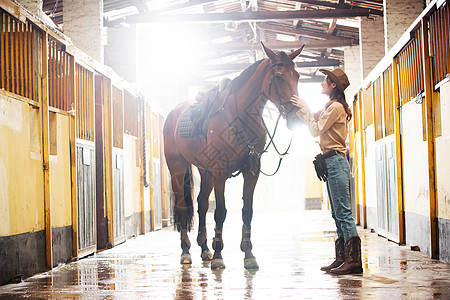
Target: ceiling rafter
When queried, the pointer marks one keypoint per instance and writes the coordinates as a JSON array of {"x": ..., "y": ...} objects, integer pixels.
[{"x": 258, "y": 16}]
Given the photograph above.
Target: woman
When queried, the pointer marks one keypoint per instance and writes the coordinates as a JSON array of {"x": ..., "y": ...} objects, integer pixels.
[{"x": 330, "y": 124}]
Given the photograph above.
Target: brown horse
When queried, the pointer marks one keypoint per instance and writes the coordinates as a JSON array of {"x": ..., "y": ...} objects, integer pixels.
[{"x": 233, "y": 142}]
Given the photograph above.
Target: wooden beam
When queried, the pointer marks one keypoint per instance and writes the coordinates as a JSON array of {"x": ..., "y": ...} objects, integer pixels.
[
  {"x": 301, "y": 31},
  {"x": 337, "y": 5},
  {"x": 206, "y": 82},
  {"x": 141, "y": 5},
  {"x": 188, "y": 4},
  {"x": 278, "y": 45},
  {"x": 333, "y": 23},
  {"x": 239, "y": 67},
  {"x": 244, "y": 16}
]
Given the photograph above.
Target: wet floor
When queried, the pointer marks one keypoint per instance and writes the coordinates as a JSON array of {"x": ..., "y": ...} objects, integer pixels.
[{"x": 289, "y": 247}]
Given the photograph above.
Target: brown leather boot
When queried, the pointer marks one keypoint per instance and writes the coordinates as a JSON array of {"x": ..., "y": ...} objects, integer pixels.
[
  {"x": 340, "y": 255},
  {"x": 352, "y": 263}
]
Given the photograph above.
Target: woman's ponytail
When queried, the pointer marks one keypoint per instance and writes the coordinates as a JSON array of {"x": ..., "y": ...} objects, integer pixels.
[{"x": 340, "y": 97}]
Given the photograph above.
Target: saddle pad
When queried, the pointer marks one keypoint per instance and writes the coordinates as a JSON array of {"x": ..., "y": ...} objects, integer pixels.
[{"x": 186, "y": 127}]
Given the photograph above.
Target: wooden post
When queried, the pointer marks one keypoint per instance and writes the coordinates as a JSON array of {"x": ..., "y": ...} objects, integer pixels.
[
  {"x": 428, "y": 85},
  {"x": 73, "y": 154},
  {"x": 398, "y": 151},
  {"x": 363, "y": 175},
  {"x": 152, "y": 187},
  {"x": 108, "y": 163},
  {"x": 46, "y": 149},
  {"x": 354, "y": 150},
  {"x": 141, "y": 126}
]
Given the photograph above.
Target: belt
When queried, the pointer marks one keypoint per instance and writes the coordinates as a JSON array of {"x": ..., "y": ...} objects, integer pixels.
[{"x": 331, "y": 153}]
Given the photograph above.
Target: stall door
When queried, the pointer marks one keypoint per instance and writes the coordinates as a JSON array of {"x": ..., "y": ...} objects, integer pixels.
[
  {"x": 86, "y": 198},
  {"x": 118, "y": 197},
  {"x": 381, "y": 188},
  {"x": 387, "y": 200},
  {"x": 157, "y": 207},
  {"x": 391, "y": 191}
]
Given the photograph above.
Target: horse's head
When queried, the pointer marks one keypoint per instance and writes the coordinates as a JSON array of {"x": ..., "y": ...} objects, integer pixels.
[{"x": 281, "y": 83}]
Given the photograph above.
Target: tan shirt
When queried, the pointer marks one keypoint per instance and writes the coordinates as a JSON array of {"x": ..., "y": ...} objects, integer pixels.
[{"x": 330, "y": 124}]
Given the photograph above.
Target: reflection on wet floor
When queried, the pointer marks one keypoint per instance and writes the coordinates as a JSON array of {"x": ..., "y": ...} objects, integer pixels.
[{"x": 290, "y": 248}]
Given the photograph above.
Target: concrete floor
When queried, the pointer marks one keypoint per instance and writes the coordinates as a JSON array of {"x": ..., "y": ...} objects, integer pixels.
[{"x": 290, "y": 248}]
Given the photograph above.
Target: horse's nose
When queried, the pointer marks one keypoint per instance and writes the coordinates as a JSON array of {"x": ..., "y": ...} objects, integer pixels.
[{"x": 292, "y": 120}]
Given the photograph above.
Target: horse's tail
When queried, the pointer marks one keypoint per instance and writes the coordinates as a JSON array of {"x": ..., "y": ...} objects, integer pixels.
[{"x": 188, "y": 188}]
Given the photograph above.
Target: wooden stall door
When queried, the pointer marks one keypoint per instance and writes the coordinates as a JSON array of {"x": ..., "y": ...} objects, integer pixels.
[
  {"x": 86, "y": 198},
  {"x": 118, "y": 197}
]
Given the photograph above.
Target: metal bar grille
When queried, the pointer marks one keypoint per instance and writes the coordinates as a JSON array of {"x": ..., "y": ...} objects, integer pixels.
[
  {"x": 439, "y": 25},
  {"x": 389, "y": 108},
  {"x": 59, "y": 76},
  {"x": 367, "y": 106},
  {"x": 17, "y": 57},
  {"x": 117, "y": 98},
  {"x": 411, "y": 69},
  {"x": 378, "y": 109},
  {"x": 84, "y": 103},
  {"x": 131, "y": 115}
]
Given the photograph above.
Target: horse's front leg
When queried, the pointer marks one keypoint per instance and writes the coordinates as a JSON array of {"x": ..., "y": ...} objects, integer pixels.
[
  {"x": 219, "y": 216},
  {"x": 206, "y": 186},
  {"x": 247, "y": 215}
]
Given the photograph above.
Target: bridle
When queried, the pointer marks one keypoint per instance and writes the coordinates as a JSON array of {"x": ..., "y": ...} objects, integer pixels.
[
  {"x": 281, "y": 104},
  {"x": 283, "y": 113},
  {"x": 254, "y": 155}
]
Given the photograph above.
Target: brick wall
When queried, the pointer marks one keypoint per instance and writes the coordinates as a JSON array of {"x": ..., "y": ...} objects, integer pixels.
[
  {"x": 398, "y": 16},
  {"x": 121, "y": 52},
  {"x": 371, "y": 41},
  {"x": 34, "y": 6},
  {"x": 352, "y": 67},
  {"x": 83, "y": 23}
]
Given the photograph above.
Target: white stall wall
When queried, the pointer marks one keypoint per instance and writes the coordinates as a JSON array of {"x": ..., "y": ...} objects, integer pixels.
[
  {"x": 415, "y": 178},
  {"x": 443, "y": 175},
  {"x": 371, "y": 186}
]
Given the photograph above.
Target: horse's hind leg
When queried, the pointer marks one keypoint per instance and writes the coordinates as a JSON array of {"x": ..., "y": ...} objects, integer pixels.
[
  {"x": 206, "y": 185},
  {"x": 247, "y": 215},
  {"x": 181, "y": 210},
  {"x": 219, "y": 216}
]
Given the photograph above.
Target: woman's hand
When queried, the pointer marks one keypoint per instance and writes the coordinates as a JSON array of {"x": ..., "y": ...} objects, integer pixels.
[
  {"x": 298, "y": 102},
  {"x": 304, "y": 112}
]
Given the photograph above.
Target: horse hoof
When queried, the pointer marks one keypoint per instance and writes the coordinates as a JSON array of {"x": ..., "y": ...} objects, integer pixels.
[
  {"x": 217, "y": 264},
  {"x": 251, "y": 264},
  {"x": 186, "y": 259},
  {"x": 206, "y": 255}
]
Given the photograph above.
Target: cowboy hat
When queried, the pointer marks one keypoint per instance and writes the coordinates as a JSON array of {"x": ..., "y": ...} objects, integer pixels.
[{"x": 337, "y": 76}]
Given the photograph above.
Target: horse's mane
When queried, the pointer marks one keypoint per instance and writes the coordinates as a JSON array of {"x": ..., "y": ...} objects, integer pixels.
[{"x": 239, "y": 81}]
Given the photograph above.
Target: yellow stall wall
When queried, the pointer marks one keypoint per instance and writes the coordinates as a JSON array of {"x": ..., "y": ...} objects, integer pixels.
[
  {"x": 21, "y": 173},
  {"x": 60, "y": 183}
]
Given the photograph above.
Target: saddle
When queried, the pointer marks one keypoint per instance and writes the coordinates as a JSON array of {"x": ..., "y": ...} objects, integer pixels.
[{"x": 195, "y": 120}]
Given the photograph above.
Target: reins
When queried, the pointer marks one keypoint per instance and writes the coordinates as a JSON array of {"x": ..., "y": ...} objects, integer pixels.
[{"x": 252, "y": 152}]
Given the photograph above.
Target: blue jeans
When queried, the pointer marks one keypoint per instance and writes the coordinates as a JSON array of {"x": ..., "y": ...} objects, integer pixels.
[{"x": 338, "y": 186}]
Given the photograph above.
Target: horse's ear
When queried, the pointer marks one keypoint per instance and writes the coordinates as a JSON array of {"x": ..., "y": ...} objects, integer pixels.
[
  {"x": 269, "y": 52},
  {"x": 296, "y": 52}
]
